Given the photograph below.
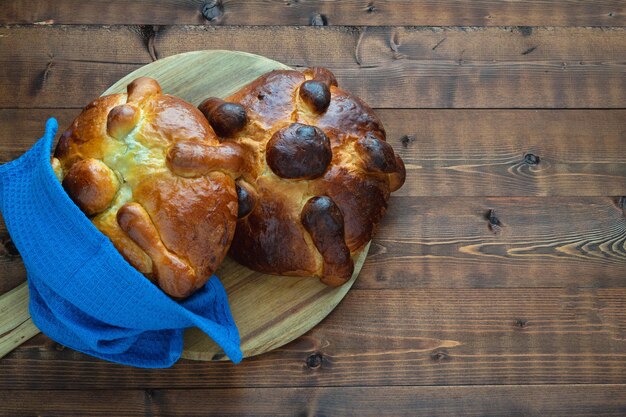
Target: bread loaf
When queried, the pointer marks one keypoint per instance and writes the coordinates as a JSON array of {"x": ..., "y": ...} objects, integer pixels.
[
  {"x": 125, "y": 161},
  {"x": 316, "y": 175}
]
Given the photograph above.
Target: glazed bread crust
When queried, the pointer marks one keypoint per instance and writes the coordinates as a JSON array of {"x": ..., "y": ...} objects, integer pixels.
[
  {"x": 317, "y": 173},
  {"x": 291, "y": 173},
  {"x": 129, "y": 161}
]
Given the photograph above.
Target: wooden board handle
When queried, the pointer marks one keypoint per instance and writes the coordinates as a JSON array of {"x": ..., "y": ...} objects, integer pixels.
[{"x": 16, "y": 326}]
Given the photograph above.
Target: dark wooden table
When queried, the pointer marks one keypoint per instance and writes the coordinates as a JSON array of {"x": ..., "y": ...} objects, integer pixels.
[{"x": 497, "y": 283}]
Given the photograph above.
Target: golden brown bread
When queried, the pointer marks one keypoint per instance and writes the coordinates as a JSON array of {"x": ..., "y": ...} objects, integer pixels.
[
  {"x": 130, "y": 162},
  {"x": 316, "y": 177}
]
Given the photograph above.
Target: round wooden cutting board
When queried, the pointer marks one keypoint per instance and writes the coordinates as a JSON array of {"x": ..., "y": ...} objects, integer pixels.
[{"x": 269, "y": 310}]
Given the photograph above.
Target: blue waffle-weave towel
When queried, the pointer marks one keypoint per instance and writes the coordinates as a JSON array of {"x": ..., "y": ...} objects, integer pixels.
[{"x": 83, "y": 294}]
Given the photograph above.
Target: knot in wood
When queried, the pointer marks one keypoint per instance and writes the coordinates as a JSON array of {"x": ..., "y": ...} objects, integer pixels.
[
  {"x": 494, "y": 222},
  {"x": 526, "y": 30},
  {"x": 149, "y": 394},
  {"x": 493, "y": 219},
  {"x": 314, "y": 361},
  {"x": 521, "y": 323},
  {"x": 440, "y": 356},
  {"x": 9, "y": 248},
  {"x": 406, "y": 140},
  {"x": 531, "y": 159},
  {"x": 319, "y": 20},
  {"x": 212, "y": 10}
]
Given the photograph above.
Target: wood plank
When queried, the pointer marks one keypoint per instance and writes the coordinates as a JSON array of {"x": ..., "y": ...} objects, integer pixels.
[
  {"x": 126, "y": 403},
  {"x": 21, "y": 128},
  {"x": 344, "y": 12},
  {"x": 510, "y": 153},
  {"x": 484, "y": 401},
  {"x": 537, "y": 242},
  {"x": 445, "y": 242},
  {"x": 15, "y": 324},
  {"x": 387, "y": 67},
  {"x": 460, "y": 152},
  {"x": 390, "y": 338}
]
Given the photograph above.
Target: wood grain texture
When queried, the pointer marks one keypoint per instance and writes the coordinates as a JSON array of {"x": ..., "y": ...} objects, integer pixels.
[
  {"x": 338, "y": 12},
  {"x": 489, "y": 268},
  {"x": 460, "y": 152},
  {"x": 15, "y": 324},
  {"x": 390, "y": 338},
  {"x": 387, "y": 67},
  {"x": 449, "y": 242},
  {"x": 485, "y": 401},
  {"x": 510, "y": 153},
  {"x": 76, "y": 403},
  {"x": 397, "y": 401},
  {"x": 499, "y": 242}
]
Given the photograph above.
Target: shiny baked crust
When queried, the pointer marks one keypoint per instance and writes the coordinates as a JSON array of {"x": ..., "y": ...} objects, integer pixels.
[
  {"x": 125, "y": 161},
  {"x": 316, "y": 177}
]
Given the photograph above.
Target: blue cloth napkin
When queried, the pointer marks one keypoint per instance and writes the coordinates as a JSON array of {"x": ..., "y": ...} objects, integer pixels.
[{"x": 83, "y": 294}]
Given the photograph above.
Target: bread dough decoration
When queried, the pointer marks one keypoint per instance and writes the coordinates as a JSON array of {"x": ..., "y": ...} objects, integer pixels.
[
  {"x": 126, "y": 162},
  {"x": 316, "y": 177},
  {"x": 300, "y": 167}
]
